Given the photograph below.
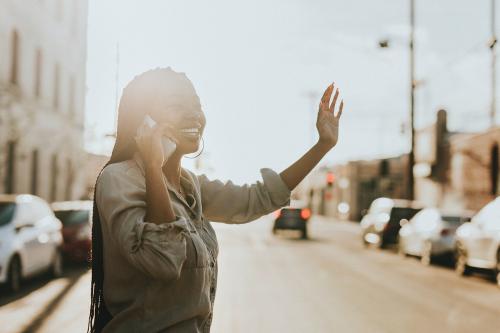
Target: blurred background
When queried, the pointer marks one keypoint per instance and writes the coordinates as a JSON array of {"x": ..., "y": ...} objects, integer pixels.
[{"x": 398, "y": 228}]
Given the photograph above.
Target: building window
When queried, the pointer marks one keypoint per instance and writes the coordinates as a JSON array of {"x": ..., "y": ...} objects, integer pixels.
[
  {"x": 38, "y": 72},
  {"x": 34, "y": 172},
  {"x": 10, "y": 167},
  {"x": 53, "y": 178},
  {"x": 384, "y": 168},
  {"x": 57, "y": 80},
  {"x": 69, "y": 179},
  {"x": 494, "y": 169},
  {"x": 14, "y": 62},
  {"x": 71, "y": 97}
]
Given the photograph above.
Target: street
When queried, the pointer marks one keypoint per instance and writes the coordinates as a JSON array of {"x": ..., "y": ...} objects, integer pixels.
[{"x": 329, "y": 283}]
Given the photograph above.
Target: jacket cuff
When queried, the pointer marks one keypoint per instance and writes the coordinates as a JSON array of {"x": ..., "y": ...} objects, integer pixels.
[
  {"x": 276, "y": 187},
  {"x": 165, "y": 232}
]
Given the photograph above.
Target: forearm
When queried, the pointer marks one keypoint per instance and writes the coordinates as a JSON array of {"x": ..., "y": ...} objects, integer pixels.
[
  {"x": 159, "y": 208},
  {"x": 295, "y": 173}
]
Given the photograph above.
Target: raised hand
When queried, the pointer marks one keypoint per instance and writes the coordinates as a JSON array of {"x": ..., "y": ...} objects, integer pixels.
[{"x": 327, "y": 122}]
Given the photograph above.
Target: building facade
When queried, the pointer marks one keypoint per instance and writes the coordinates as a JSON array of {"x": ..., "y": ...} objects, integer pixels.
[
  {"x": 345, "y": 191},
  {"x": 474, "y": 171},
  {"x": 453, "y": 171},
  {"x": 42, "y": 97}
]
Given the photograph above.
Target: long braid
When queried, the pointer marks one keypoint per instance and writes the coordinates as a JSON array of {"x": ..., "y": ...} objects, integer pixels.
[{"x": 99, "y": 315}]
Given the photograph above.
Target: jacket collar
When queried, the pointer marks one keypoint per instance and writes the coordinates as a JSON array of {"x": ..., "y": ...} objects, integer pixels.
[{"x": 186, "y": 183}]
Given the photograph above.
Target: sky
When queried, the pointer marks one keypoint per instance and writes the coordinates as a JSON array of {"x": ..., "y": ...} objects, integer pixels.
[{"x": 261, "y": 66}]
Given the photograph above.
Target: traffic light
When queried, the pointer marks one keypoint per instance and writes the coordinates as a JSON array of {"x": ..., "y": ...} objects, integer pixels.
[{"x": 330, "y": 178}]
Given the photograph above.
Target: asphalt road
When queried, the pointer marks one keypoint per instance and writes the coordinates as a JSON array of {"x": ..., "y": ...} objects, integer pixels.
[{"x": 280, "y": 284}]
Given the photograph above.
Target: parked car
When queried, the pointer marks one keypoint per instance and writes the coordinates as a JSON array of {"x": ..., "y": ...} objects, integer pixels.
[
  {"x": 380, "y": 226},
  {"x": 293, "y": 217},
  {"x": 75, "y": 217},
  {"x": 30, "y": 239},
  {"x": 430, "y": 233},
  {"x": 478, "y": 242}
]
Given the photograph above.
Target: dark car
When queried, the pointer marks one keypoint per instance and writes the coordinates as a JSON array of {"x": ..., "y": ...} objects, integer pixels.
[
  {"x": 75, "y": 217},
  {"x": 381, "y": 225},
  {"x": 293, "y": 217}
]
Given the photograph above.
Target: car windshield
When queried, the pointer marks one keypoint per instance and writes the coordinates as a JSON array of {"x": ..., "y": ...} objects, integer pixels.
[
  {"x": 72, "y": 217},
  {"x": 399, "y": 213},
  {"x": 7, "y": 210}
]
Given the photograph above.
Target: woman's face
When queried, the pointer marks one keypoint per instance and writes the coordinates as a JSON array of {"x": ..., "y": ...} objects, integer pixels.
[{"x": 184, "y": 115}]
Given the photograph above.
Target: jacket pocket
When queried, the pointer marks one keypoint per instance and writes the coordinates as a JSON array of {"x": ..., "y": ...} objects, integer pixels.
[{"x": 198, "y": 256}]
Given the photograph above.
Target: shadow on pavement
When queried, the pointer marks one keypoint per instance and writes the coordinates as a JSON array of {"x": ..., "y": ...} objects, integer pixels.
[
  {"x": 292, "y": 236},
  {"x": 71, "y": 272}
]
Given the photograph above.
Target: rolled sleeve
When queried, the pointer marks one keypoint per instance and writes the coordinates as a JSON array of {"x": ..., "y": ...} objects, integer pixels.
[
  {"x": 230, "y": 203},
  {"x": 158, "y": 250},
  {"x": 279, "y": 192}
]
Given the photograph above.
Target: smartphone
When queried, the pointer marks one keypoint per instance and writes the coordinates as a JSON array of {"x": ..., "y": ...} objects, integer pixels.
[{"x": 168, "y": 145}]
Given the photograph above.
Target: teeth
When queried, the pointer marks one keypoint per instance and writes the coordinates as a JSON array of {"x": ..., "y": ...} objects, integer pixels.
[{"x": 190, "y": 130}]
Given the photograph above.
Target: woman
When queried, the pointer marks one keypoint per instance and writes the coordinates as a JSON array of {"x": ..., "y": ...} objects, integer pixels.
[{"x": 154, "y": 251}]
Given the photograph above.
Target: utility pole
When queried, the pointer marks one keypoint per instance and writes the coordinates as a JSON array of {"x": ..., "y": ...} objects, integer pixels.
[
  {"x": 493, "y": 43},
  {"x": 411, "y": 155}
]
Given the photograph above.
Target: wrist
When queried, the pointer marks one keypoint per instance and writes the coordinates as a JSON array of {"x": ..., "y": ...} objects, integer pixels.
[
  {"x": 324, "y": 147},
  {"x": 152, "y": 167}
]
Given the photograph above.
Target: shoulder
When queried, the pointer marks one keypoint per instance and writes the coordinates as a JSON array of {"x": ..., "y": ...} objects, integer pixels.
[
  {"x": 119, "y": 175},
  {"x": 193, "y": 178}
]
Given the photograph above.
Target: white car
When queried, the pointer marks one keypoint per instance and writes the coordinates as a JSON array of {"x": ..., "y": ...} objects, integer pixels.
[
  {"x": 30, "y": 239},
  {"x": 478, "y": 242},
  {"x": 430, "y": 233}
]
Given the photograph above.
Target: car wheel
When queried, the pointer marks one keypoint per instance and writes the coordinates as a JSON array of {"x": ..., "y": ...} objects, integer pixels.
[
  {"x": 14, "y": 275},
  {"x": 426, "y": 257},
  {"x": 57, "y": 264},
  {"x": 303, "y": 234},
  {"x": 381, "y": 244},
  {"x": 461, "y": 267},
  {"x": 401, "y": 249}
]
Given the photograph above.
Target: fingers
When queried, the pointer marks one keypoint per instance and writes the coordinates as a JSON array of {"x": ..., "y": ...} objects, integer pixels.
[
  {"x": 326, "y": 97},
  {"x": 332, "y": 107},
  {"x": 341, "y": 107},
  {"x": 165, "y": 130},
  {"x": 325, "y": 101}
]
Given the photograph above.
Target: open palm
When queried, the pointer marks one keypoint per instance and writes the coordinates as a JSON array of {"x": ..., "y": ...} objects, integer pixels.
[{"x": 327, "y": 122}]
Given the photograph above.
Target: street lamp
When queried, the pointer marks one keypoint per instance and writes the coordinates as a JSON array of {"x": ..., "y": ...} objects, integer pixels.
[
  {"x": 492, "y": 46},
  {"x": 384, "y": 43}
]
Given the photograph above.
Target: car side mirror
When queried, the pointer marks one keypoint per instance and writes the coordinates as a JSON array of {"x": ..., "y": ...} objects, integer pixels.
[{"x": 403, "y": 222}]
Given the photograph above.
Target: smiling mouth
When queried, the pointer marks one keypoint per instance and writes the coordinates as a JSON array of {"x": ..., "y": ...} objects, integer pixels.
[{"x": 192, "y": 133}]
